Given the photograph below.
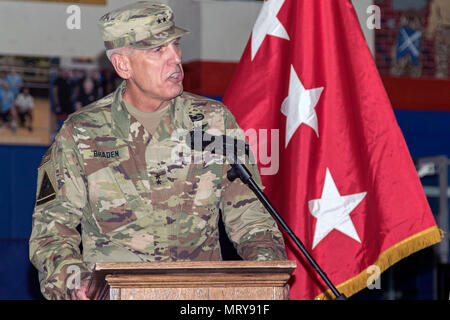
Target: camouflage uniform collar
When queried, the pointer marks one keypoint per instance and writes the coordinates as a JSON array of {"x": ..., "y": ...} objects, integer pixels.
[{"x": 121, "y": 118}]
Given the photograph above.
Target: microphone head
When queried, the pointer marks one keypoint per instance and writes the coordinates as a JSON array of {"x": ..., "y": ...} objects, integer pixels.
[{"x": 199, "y": 140}]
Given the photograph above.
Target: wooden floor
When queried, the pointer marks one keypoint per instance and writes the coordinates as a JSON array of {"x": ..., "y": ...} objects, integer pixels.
[{"x": 40, "y": 135}]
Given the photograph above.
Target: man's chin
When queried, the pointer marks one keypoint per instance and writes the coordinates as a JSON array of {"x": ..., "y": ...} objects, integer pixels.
[{"x": 179, "y": 91}]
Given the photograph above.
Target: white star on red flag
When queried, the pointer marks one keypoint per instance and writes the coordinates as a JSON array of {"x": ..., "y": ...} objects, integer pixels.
[
  {"x": 333, "y": 211},
  {"x": 299, "y": 106},
  {"x": 267, "y": 23}
]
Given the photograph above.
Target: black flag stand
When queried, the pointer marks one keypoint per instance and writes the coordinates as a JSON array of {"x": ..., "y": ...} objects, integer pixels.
[{"x": 239, "y": 170}]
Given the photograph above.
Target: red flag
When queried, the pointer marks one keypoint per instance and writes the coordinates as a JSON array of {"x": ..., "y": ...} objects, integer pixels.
[{"x": 343, "y": 179}]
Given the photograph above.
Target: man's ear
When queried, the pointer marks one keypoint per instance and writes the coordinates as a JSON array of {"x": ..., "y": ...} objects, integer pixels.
[{"x": 122, "y": 65}]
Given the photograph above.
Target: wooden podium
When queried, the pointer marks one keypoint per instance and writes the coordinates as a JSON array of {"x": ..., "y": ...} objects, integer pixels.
[{"x": 194, "y": 280}]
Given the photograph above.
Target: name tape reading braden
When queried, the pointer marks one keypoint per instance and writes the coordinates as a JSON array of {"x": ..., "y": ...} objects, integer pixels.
[{"x": 106, "y": 154}]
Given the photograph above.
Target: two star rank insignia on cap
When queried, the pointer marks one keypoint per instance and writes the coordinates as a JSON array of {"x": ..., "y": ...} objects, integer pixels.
[{"x": 161, "y": 20}]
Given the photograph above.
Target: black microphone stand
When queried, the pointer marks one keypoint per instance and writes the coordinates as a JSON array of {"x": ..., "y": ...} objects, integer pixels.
[{"x": 239, "y": 170}]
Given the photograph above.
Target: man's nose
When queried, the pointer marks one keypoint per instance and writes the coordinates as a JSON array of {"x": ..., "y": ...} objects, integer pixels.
[{"x": 175, "y": 53}]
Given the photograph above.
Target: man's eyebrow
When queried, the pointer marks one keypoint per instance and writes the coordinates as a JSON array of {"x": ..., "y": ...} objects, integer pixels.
[
  {"x": 158, "y": 47},
  {"x": 177, "y": 40}
]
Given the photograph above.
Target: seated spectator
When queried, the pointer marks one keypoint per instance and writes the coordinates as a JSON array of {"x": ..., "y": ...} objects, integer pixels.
[{"x": 23, "y": 107}]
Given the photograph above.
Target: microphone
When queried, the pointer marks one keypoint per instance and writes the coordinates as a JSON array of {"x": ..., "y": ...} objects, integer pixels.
[{"x": 224, "y": 145}]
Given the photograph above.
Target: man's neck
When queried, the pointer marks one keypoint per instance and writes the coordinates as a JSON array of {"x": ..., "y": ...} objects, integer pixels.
[{"x": 140, "y": 101}]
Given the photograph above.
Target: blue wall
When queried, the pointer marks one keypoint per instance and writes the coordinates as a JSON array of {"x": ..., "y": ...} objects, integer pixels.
[
  {"x": 18, "y": 178},
  {"x": 426, "y": 133},
  {"x": 18, "y": 175}
]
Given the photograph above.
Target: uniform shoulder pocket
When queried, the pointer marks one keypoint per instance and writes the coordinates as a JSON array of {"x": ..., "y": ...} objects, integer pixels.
[{"x": 46, "y": 192}]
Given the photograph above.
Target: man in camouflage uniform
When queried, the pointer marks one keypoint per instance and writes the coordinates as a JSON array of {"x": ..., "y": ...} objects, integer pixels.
[{"x": 120, "y": 173}]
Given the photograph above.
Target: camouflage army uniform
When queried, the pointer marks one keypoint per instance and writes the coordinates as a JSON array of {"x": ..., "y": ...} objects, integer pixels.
[{"x": 135, "y": 200}]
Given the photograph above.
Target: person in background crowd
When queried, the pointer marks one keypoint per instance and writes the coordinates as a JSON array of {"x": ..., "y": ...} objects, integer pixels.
[
  {"x": 86, "y": 93},
  {"x": 23, "y": 109},
  {"x": 15, "y": 81},
  {"x": 2, "y": 80},
  {"x": 87, "y": 88},
  {"x": 6, "y": 103},
  {"x": 97, "y": 77},
  {"x": 110, "y": 81},
  {"x": 62, "y": 93},
  {"x": 439, "y": 28},
  {"x": 76, "y": 77}
]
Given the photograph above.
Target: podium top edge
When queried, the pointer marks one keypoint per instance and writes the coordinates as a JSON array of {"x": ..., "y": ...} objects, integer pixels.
[{"x": 186, "y": 266}]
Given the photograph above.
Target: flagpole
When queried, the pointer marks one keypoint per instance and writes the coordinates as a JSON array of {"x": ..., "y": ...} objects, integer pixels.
[{"x": 239, "y": 170}]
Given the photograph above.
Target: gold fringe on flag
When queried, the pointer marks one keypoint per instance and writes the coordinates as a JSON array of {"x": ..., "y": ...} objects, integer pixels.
[{"x": 387, "y": 258}]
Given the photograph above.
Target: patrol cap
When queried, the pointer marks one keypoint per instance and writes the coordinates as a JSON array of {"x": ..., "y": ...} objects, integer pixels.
[{"x": 141, "y": 25}]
